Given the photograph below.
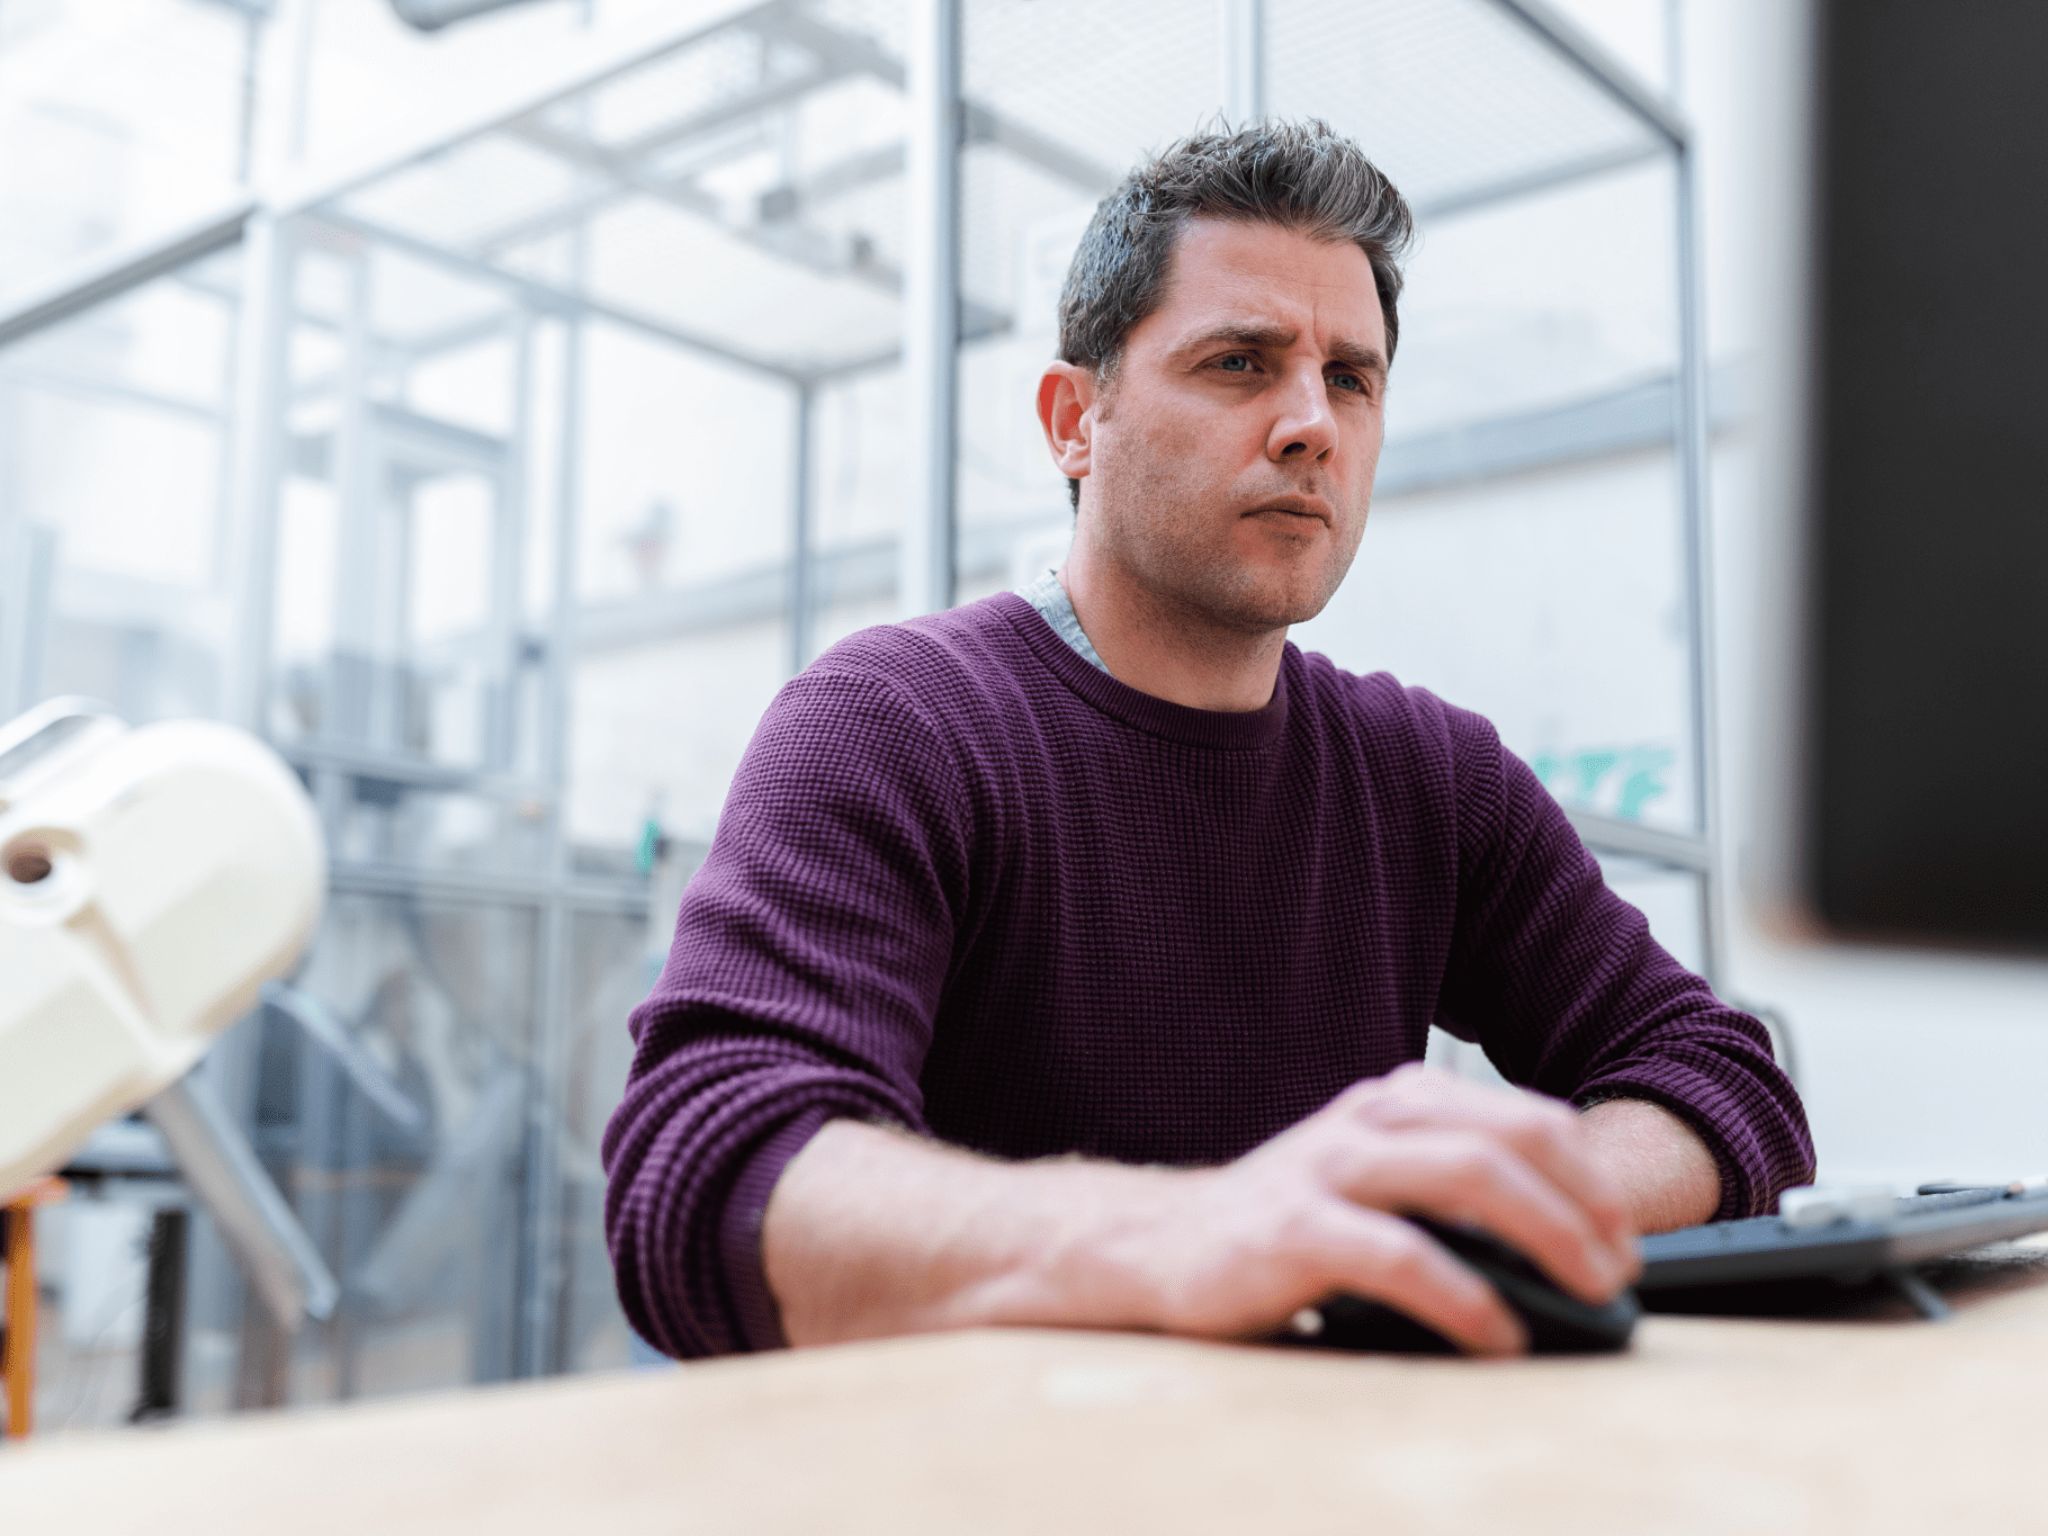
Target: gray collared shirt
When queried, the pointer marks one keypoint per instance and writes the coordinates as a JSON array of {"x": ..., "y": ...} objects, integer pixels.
[{"x": 1051, "y": 600}]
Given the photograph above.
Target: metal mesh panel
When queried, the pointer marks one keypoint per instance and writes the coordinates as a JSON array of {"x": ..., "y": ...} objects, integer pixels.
[
  {"x": 1449, "y": 97},
  {"x": 1099, "y": 81}
]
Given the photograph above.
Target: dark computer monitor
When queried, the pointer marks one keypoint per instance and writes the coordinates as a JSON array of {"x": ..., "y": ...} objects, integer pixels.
[{"x": 1914, "y": 750}]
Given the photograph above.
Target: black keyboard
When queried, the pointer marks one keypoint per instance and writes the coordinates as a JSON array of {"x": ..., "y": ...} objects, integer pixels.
[
  {"x": 1849, "y": 1239},
  {"x": 1946, "y": 1200}
]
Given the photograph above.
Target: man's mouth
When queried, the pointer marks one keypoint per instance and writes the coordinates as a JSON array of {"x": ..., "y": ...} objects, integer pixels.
[{"x": 1304, "y": 507}]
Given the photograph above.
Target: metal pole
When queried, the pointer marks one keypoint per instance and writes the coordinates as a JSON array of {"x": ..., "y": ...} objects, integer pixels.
[
  {"x": 803, "y": 591},
  {"x": 508, "y": 567},
  {"x": 284, "y": 1267},
  {"x": 931, "y": 308},
  {"x": 1596, "y": 65},
  {"x": 1693, "y": 451},
  {"x": 1244, "y": 60},
  {"x": 255, "y": 459},
  {"x": 352, "y": 711},
  {"x": 128, "y": 269},
  {"x": 245, "y": 127},
  {"x": 256, "y": 434},
  {"x": 537, "y": 1351}
]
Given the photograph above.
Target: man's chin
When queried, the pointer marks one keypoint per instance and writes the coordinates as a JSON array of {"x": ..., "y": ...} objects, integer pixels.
[{"x": 1262, "y": 608}]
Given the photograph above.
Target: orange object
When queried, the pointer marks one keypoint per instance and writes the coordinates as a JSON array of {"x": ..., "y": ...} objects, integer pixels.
[{"x": 18, "y": 1354}]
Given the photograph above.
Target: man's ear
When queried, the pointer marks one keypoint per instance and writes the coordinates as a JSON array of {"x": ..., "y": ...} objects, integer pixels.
[{"x": 1066, "y": 399}]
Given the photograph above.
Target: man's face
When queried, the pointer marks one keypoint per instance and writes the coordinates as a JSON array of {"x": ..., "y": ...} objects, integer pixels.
[{"x": 1231, "y": 465}]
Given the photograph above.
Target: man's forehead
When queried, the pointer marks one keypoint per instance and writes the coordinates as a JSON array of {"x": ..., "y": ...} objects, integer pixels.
[{"x": 1259, "y": 276}]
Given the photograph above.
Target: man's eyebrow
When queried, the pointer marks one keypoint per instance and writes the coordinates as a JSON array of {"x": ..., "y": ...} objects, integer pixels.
[{"x": 1351, "y": 354}]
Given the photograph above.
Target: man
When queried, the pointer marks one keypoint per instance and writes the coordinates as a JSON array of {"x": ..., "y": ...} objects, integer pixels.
[{"x": 1067, "y": 958}]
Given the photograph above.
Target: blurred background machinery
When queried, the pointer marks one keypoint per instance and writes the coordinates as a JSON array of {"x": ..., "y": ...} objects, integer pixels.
[{"x": 152, "y": 883}]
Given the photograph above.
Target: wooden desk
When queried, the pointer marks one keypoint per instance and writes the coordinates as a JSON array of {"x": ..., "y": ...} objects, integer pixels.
[{"x": 1866, "y": 1421}]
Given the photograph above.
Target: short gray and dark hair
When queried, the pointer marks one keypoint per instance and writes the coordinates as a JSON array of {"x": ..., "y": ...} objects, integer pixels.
[{"x": 1304, "y": 176}]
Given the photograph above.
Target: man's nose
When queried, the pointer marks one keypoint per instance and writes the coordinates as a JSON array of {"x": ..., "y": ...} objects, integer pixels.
[{"x": 1305, "y": 428}]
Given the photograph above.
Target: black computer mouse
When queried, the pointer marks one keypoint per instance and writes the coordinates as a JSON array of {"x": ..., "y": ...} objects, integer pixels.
[{"x": 1557, "y": 1321}]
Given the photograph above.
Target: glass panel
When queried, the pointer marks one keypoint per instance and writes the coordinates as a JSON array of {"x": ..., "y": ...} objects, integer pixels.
[
  {"x": 658, "y": 732},
  {"x": 724, "y": 74},
  {"x": 1525, "y": 555},
  {"x": 742, "y": 191},
  {"x": 613, "y": 961},
  {"x": 1552, "y": 604},
  {"x": 1051, "y": 129},
  {"x": 403, "y": 1150},
  {"x": 472, "y": 194},
  {"x": 792, "y": 302},
  {"x": 120, "y": 121},
  {"x": 1586, "y": 308},
  {"x": 1455, "y": 100},
  {"x": 733, "y": 207},
  {"x": 1150, "y": 71},
  {"x": 168, "y": 343},
  {"x": 112, "y": 485},
  {"x": 132, "y": 487},
  {"x": 371, "y": 76},
  {"x": 400, "y": 536},
  {"x": 860, "y": 484},
  {"x": 373, "y": 816},
  {"x": 686, "y": 473},
  {"x": 683, "y": 634}
]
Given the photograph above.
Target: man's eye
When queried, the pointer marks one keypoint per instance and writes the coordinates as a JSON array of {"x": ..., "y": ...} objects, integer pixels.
[
  {"x": 1351, "y": 381},
  {"x": 1230, "y": 361}
]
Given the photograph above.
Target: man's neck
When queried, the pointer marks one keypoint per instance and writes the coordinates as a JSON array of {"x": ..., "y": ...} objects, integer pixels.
[{"x": 1161, "y": 649}]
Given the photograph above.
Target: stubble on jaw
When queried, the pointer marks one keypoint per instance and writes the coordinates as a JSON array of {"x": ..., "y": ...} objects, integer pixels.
[{"x": 1205, "y": 583}]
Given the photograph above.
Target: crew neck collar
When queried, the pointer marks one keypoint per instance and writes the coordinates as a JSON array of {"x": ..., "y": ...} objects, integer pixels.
[{"x": 1228, "y": 729}]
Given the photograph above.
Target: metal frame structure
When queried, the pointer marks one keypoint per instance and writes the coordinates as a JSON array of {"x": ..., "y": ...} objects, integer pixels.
[
  {"x": 1698, "y": 854},
  {"x": 275, "y": 227}
]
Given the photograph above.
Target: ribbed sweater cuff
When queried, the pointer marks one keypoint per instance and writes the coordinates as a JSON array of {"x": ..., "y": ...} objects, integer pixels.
[{"x": 740, "y": 1231}]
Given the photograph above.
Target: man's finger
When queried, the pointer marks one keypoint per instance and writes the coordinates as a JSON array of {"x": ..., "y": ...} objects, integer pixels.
[
  {"x": 1383, "y": 1258},
  {"x": 1545, "y": 1132},
  {"x": 1467, "y": 1176}
]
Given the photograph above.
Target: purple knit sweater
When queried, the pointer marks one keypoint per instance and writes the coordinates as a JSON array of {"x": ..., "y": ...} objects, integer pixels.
[{"x": 968, "y": 883}]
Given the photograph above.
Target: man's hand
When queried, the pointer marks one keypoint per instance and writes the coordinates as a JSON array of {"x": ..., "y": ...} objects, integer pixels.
[
  {"x": 875, "y": 1232},
  {"x": 1314, "y": 1211}
]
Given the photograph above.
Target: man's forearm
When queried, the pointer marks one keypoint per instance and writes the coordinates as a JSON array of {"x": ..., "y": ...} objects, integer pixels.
[
  {"x": 1668, "y": 1174},
  {"x": 873, "y": 1232}
]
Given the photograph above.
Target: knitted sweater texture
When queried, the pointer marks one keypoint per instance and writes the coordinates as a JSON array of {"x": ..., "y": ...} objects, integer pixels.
[{"x": 967, "y": 883}]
